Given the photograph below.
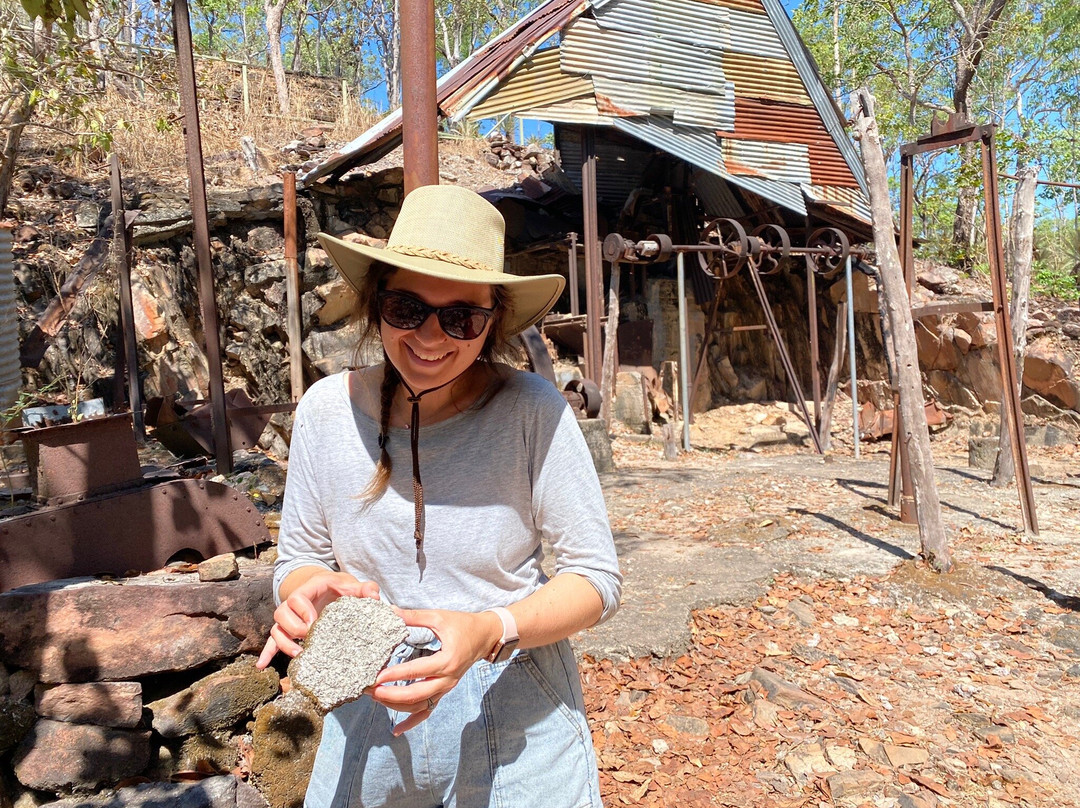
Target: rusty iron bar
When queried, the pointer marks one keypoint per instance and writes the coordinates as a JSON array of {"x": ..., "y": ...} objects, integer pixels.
[
  {"x": 1003, "y": 318},
  {"x": 899, "y": 461},
  {"x": 594, "y": 278},
  {"x": 185, "y": 68},
  {"x": 293, "y": 324},
  {"x": 419, "y": 107},
  {"x": 785, "y": 358},
  {"x": 127, "y": 309},
  {"x": 572, "y": 271},
  {"x": 815, "y": 356}
]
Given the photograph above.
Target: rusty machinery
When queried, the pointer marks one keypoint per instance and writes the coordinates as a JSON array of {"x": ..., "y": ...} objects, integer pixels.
[
  {"x": 99, "y": 514},
  {"x": 724, "y": 250}
]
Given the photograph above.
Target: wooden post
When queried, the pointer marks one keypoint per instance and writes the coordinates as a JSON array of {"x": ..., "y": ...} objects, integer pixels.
[
  {"x": 916, "y": 434},
  {"x": 345, "y": 102},
  {"x": 1021, "y": 243},
  {"x": 245, "y": 90},
  {"x": 611, "y": 348}
]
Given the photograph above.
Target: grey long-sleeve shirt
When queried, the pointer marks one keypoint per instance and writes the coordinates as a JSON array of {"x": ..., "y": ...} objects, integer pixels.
[{"x": 496, "y": 480}]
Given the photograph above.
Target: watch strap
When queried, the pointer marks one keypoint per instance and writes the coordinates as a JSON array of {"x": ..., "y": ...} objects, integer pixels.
[{"x": 509, "y": 633}]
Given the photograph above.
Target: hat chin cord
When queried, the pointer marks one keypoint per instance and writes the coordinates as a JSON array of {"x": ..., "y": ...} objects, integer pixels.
[{"x": 414, "y": 436}]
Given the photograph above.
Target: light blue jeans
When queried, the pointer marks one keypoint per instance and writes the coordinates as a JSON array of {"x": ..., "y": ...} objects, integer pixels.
[{"x": 510, "y": 735}]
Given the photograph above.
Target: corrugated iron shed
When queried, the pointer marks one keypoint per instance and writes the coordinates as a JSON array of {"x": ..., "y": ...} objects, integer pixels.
[{"x": 725, "y": 85}]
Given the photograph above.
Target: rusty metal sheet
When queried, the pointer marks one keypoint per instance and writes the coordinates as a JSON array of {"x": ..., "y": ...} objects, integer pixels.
[
  {"x": 578, "y": 111},
  {"x": 776, "y": 122},
  {"x": 619, "y": 167},
  {"x": 81, "y": 459},
  {"x": 673, "y": 20},
  {"x": 848, "y": 201},
  {"x": 686, "y": 108},
  {"x": 760, "y": 77},
  {"x": 753, "y": 6},
  {"x": 135, "y": 530},
  {"x": 588, "y": 49},
  {"x": 715, "y": 194},
  {"x": 779, "y": 161},
  {"x": 538, "y": 82}
]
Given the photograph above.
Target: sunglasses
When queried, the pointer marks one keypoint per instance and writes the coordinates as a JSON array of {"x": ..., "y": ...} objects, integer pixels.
[{"x": 404, "y": 311}]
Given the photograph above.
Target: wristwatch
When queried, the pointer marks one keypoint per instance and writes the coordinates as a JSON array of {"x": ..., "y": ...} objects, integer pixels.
[{"x": 508, "y": 643}]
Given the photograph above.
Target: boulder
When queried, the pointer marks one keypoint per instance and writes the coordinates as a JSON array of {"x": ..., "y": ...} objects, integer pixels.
[
  {"x": 631, "y": 403},
  {"x": 215, "y": 702},
  {"x": 1049, "y": 372},
  {"x": 219, "y": 568},
  {"x": 340, "y": 301},
  {"x": 56, "y": 756},
  {"x": 79, "y": 631},
  {"x": 979, "y": 326},
  {"x": 213, "y": 792},
  {"x": 599, "y": 442},
  {"x": 107, "y": 704},
  {"x": 285, "y": 738}
]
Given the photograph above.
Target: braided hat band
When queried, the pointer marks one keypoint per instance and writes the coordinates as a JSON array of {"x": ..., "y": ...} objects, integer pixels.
[
  {"x": 440, "y": 255},
  {"x": 452, "y": 233}
]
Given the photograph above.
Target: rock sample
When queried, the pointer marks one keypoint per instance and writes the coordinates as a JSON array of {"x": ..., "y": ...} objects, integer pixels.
[{"x": 345, "y": 649}]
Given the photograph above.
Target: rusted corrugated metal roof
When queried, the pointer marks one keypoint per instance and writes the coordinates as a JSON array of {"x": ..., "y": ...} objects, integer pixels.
[
  {"x": 848, "y": 201},
  {"x": 673, "y": 73},
  {"x": 470, "y": 80}
]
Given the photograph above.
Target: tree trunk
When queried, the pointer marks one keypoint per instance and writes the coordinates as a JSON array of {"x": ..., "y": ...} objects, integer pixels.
[
  {"x": 916, "y": 435},
  {"x": 1020, "y": 253},
  {"x": 274, "y": 13},
  {"x": 610, "y": 368},
  {"x": 963, "y": 235},
  {"x": 15, "y": 125}
]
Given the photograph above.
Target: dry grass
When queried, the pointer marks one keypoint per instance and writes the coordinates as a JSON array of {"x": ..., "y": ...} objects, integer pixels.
[{"x": 143, "y": 117}]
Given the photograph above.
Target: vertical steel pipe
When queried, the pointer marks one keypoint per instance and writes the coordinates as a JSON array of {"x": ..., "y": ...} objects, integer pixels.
[
  {"x": 851, "y": 359},
  {"x": 684, "y": 351},
  {"x": 185, "y": 68},
  {"x": 575, "y": 304},
  {"x": 127, "y": 308},
  {"x": 293, "y": 324},
  {"x": 419, "y": 106},
  {"x": 594, "y": 279},
  {"x": 815, "y": 353}
]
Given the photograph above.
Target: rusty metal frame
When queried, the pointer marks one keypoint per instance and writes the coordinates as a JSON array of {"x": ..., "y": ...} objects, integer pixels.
[
  {"x": 899, "y": 461},
  {"x": 189, "y": 103}
]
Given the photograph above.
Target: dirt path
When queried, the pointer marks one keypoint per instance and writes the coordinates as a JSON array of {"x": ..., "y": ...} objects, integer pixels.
[{"x": 779, "y": 646}]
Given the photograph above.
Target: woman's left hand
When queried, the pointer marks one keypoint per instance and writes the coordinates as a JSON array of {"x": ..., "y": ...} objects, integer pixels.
[{"x": 465, "y": 638}]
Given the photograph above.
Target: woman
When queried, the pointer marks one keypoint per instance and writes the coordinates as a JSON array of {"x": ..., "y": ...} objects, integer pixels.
[{"x": 429, "y": 481}]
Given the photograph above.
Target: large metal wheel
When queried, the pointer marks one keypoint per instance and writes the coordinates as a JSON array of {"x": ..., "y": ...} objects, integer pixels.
[
  {"x": 589, "y": 392},
  {"x": 775, "y": 249},
  {"x": 733, "y": 248},
  {"x": 834, "y": 247}
]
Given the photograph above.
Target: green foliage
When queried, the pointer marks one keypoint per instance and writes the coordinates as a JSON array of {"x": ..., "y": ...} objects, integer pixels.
[
  {"x": 64, "y": 13},
  {"x": 1056, "y": 269}
]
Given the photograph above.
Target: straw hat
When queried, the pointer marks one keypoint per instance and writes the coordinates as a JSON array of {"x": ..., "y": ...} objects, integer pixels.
[{"x": 450, "y": 232}]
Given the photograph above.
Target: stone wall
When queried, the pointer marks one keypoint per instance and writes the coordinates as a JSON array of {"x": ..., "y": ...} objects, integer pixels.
[{"x": 148, "y": 678}]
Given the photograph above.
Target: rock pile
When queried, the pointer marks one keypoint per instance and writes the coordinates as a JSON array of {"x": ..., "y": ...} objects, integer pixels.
[{"x": 102, "y": 681}]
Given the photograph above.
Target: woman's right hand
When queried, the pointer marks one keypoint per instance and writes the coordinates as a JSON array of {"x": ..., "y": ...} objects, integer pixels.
[{"x": 304, "y": 603}]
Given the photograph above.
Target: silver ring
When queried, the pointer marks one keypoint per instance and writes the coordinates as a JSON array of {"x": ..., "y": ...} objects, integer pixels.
[{"x": 431, "y": 702}]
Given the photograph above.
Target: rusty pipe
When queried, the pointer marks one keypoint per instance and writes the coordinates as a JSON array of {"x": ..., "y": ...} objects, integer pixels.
[{"x": 419, "y": 104}]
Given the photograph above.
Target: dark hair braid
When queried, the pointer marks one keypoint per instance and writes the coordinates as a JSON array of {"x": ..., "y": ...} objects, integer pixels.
[{"x": 376, "y": 487}]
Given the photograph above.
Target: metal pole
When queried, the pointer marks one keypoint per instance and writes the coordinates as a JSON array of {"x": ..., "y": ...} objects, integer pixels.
[
  {"x": 185, "y": 68},
  {"x": 419, "y": 107},
  {"x": 851, "y": 358},
  {"x": 127, "y": 309},
  {"x": 293, "y": 325},
  {"x": 815, "y": 354},
  {"x": 594, "y": 279},
  {"x": 575, "y": 304},
  {"x": 684, "y": 352}
]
